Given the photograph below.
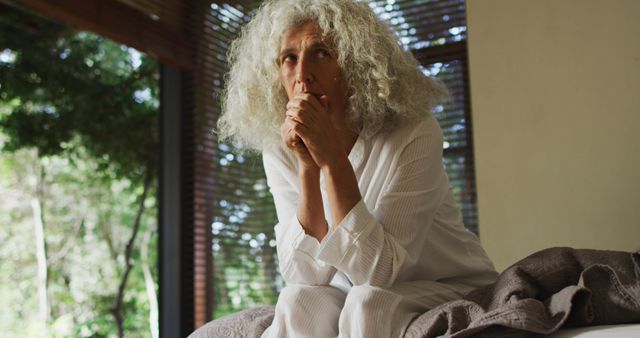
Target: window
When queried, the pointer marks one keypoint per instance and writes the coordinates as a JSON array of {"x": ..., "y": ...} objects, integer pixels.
[
  {"x": 435, "y": 32},
  {"x": 245, "y": 264},
  {"x": 78, "y": 145}
]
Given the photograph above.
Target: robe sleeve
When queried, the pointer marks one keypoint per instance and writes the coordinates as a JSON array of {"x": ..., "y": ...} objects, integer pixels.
[
  {"x": 375, "y": 247},
  {"x": 297, "y": 251}
]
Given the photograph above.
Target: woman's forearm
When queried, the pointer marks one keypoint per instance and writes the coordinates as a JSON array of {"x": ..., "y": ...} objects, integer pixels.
[
  {"x": 342, "y": 188},
  {"x": 310, "y": 207}
]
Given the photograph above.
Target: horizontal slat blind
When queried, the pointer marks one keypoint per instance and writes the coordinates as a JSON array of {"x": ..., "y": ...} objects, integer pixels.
[
  {"x": 246, "y": 272},
  {"x": 201, "y": 99},
  {"x": 421, "y": 23}
]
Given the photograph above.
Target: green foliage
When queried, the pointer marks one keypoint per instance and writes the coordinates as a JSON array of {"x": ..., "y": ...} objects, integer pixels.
[
  {"x": 78, "y": 126},
  {"x": 86, "y": 234},
  {"x": 70, "y": 85}
]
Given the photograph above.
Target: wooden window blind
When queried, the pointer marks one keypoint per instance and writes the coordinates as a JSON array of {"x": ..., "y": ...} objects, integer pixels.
[{"x": 246, "y": 272}]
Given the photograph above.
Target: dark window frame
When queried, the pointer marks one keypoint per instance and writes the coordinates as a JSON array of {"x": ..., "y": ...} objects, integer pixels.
[{"x": 447, "y": 53}]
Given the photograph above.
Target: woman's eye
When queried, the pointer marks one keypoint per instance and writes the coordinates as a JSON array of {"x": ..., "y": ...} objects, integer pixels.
[
  {"x": 289, "y": 58},
  {"x": 322, "y": 53}
]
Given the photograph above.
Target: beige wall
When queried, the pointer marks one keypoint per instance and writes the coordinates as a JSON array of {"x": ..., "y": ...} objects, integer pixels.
[{"x": 555, "y": 92}]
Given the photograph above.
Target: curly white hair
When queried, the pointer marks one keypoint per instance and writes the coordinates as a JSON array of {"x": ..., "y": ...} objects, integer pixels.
[{"x": 386, "y": 84}]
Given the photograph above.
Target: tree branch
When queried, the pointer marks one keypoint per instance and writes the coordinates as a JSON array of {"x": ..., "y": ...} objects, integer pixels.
[
  {"x": 116, "y": 310},
  {"x": 150, "y": 284},
  {"x": 41, "y": 253}
]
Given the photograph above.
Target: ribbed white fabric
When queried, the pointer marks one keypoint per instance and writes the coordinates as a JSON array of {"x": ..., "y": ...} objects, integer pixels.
[
  {"x": 407, "y": 227},
  {"x": 366, "y": 311}
]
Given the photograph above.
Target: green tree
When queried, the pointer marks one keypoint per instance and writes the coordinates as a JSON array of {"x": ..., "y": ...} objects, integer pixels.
[
  {"x": 77, "y": 85},
  {"x": 87, "y": 106}
]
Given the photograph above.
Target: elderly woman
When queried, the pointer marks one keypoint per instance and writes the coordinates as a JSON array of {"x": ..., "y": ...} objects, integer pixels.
[{"x": 368, "y": 233}]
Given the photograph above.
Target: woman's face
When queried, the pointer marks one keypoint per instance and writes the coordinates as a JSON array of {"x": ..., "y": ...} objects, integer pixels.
[{"x": 309, "y": 64}]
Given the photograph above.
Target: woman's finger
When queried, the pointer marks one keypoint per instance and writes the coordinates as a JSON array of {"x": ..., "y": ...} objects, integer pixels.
[
  {"x": 289, "y": 134},
  {"x": 309, "y": 99},
  {"x": 300, "y": 116},
  {"x": 300, "y": 103},
  {"x": 292, "y": 140}
]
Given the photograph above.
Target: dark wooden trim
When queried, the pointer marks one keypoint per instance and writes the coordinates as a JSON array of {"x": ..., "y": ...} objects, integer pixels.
[
  {"x": 447, "y": 53},
  {"x": 456, "y": 150},
  {"x": 119, "y": 22},
  {"x": 188, "y": 205},
  {"x": 443, "y": 53},
  {"x": 202, "y": 163},
  {"x": 170, "y": 230},
  {"x": 470, "y": 155}
]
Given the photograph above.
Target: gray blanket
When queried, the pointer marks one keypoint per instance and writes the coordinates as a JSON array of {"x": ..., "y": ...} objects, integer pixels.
[
  {"x": 550, "y": 289},
  {"x": 553, "y": 288}
]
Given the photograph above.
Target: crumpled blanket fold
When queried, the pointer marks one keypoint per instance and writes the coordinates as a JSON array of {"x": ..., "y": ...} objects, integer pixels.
[
  {"x": 550, "y": 289},
  {"x": 244, "y": 324}
]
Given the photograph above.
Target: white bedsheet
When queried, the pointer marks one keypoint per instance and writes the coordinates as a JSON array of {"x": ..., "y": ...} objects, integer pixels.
[{"x": 604, "y": 331}]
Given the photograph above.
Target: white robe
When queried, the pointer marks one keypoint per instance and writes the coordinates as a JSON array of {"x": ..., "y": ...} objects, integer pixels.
[{"x": 407, "y": 228}]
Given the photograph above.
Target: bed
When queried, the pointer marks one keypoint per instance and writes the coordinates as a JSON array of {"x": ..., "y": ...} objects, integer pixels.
[
  {"x": 601, "y": 331},
  {"x": 557, "y": 292},
  {"x": 251, "y": 323}
]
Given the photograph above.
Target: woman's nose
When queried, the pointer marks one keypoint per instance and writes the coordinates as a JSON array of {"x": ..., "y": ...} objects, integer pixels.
[{"x": 304, "y": 72}]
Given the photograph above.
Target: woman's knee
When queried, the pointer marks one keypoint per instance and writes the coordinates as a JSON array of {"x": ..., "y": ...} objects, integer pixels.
[
  {"x": 375, "y": 312},
  {"x": 291, "y": 293},
  {"x": 303, "y": 295},
  {"x": 367, "y": 299},
  {"x": 307, "y": 311},
  {"x": 367, "y": 312}
]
